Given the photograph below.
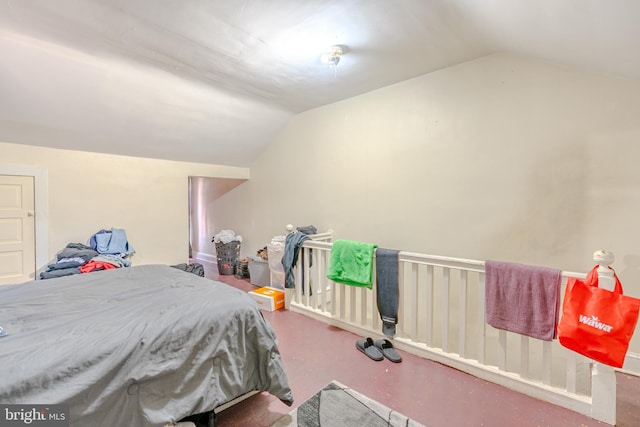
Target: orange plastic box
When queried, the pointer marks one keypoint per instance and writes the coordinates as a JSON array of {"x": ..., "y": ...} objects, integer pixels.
[{"x": 269, "y": 299}]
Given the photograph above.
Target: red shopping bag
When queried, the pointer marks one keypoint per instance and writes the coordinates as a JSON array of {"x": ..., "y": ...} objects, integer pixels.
[{"x": 595, "y": 322}]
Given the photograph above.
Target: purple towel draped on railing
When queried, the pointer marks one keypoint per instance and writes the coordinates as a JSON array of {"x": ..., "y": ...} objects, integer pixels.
[{"x": 522, "y": 299}]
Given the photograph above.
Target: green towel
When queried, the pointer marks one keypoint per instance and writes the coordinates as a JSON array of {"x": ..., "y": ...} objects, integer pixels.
[{"x": 351, "y": 263}]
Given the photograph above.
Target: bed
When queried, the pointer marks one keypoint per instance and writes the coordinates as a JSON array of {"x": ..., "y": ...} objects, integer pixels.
[{"x": 138, "y": 346}]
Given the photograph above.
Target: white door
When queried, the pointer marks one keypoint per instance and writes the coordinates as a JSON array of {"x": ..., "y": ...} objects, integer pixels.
[{"x": 17, "y": 229}]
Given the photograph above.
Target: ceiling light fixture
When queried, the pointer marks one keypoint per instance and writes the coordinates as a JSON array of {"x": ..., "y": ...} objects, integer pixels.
[{"x": 332, "y": 56}]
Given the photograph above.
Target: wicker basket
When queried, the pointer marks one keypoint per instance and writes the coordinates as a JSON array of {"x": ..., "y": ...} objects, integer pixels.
[{"x": 228, "y": 254}]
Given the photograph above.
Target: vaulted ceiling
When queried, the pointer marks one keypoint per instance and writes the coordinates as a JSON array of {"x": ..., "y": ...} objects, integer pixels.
[{"x": 214, "y": 80}]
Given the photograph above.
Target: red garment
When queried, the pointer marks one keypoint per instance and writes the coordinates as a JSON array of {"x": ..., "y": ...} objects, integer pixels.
[{"x": 95, "y": 266}]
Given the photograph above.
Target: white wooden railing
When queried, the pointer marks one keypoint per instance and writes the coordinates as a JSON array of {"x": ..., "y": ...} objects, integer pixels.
[{"x": 441, "y": 317}]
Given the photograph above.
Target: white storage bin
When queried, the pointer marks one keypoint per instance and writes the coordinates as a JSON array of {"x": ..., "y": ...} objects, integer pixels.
[
  {"x": 259, "y": 272},
  {"x": 275, "y": 251}
]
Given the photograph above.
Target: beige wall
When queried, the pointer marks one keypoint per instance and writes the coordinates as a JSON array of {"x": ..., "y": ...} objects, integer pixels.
[
  {"x": 87, "y": 192},
  {"x": 499, "y": 158}
]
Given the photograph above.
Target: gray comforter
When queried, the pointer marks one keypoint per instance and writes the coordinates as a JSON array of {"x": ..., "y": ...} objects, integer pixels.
[{"x": 136, "y": 346}]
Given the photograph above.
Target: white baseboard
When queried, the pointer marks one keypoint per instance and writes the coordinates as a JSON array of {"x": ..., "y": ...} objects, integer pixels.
[
  {"x": 631, "y": 364},
  {"x": 205, "y": 257}
]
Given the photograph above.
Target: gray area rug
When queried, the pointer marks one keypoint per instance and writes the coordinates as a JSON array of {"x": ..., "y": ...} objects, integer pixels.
[{"x": 336, "y": 405}]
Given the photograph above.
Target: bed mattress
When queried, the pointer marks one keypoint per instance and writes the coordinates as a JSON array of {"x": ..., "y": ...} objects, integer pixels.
[{"x": 137, "y": 346}]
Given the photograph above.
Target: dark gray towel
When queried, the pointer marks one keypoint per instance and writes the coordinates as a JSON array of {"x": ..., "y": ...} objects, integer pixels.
[{"x": 387, "y": 289}]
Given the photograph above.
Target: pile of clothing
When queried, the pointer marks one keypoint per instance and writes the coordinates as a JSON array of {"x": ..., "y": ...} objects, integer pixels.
[
  {"x": 226, "y": 236},
  {"x": 108, "y": 250}
]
